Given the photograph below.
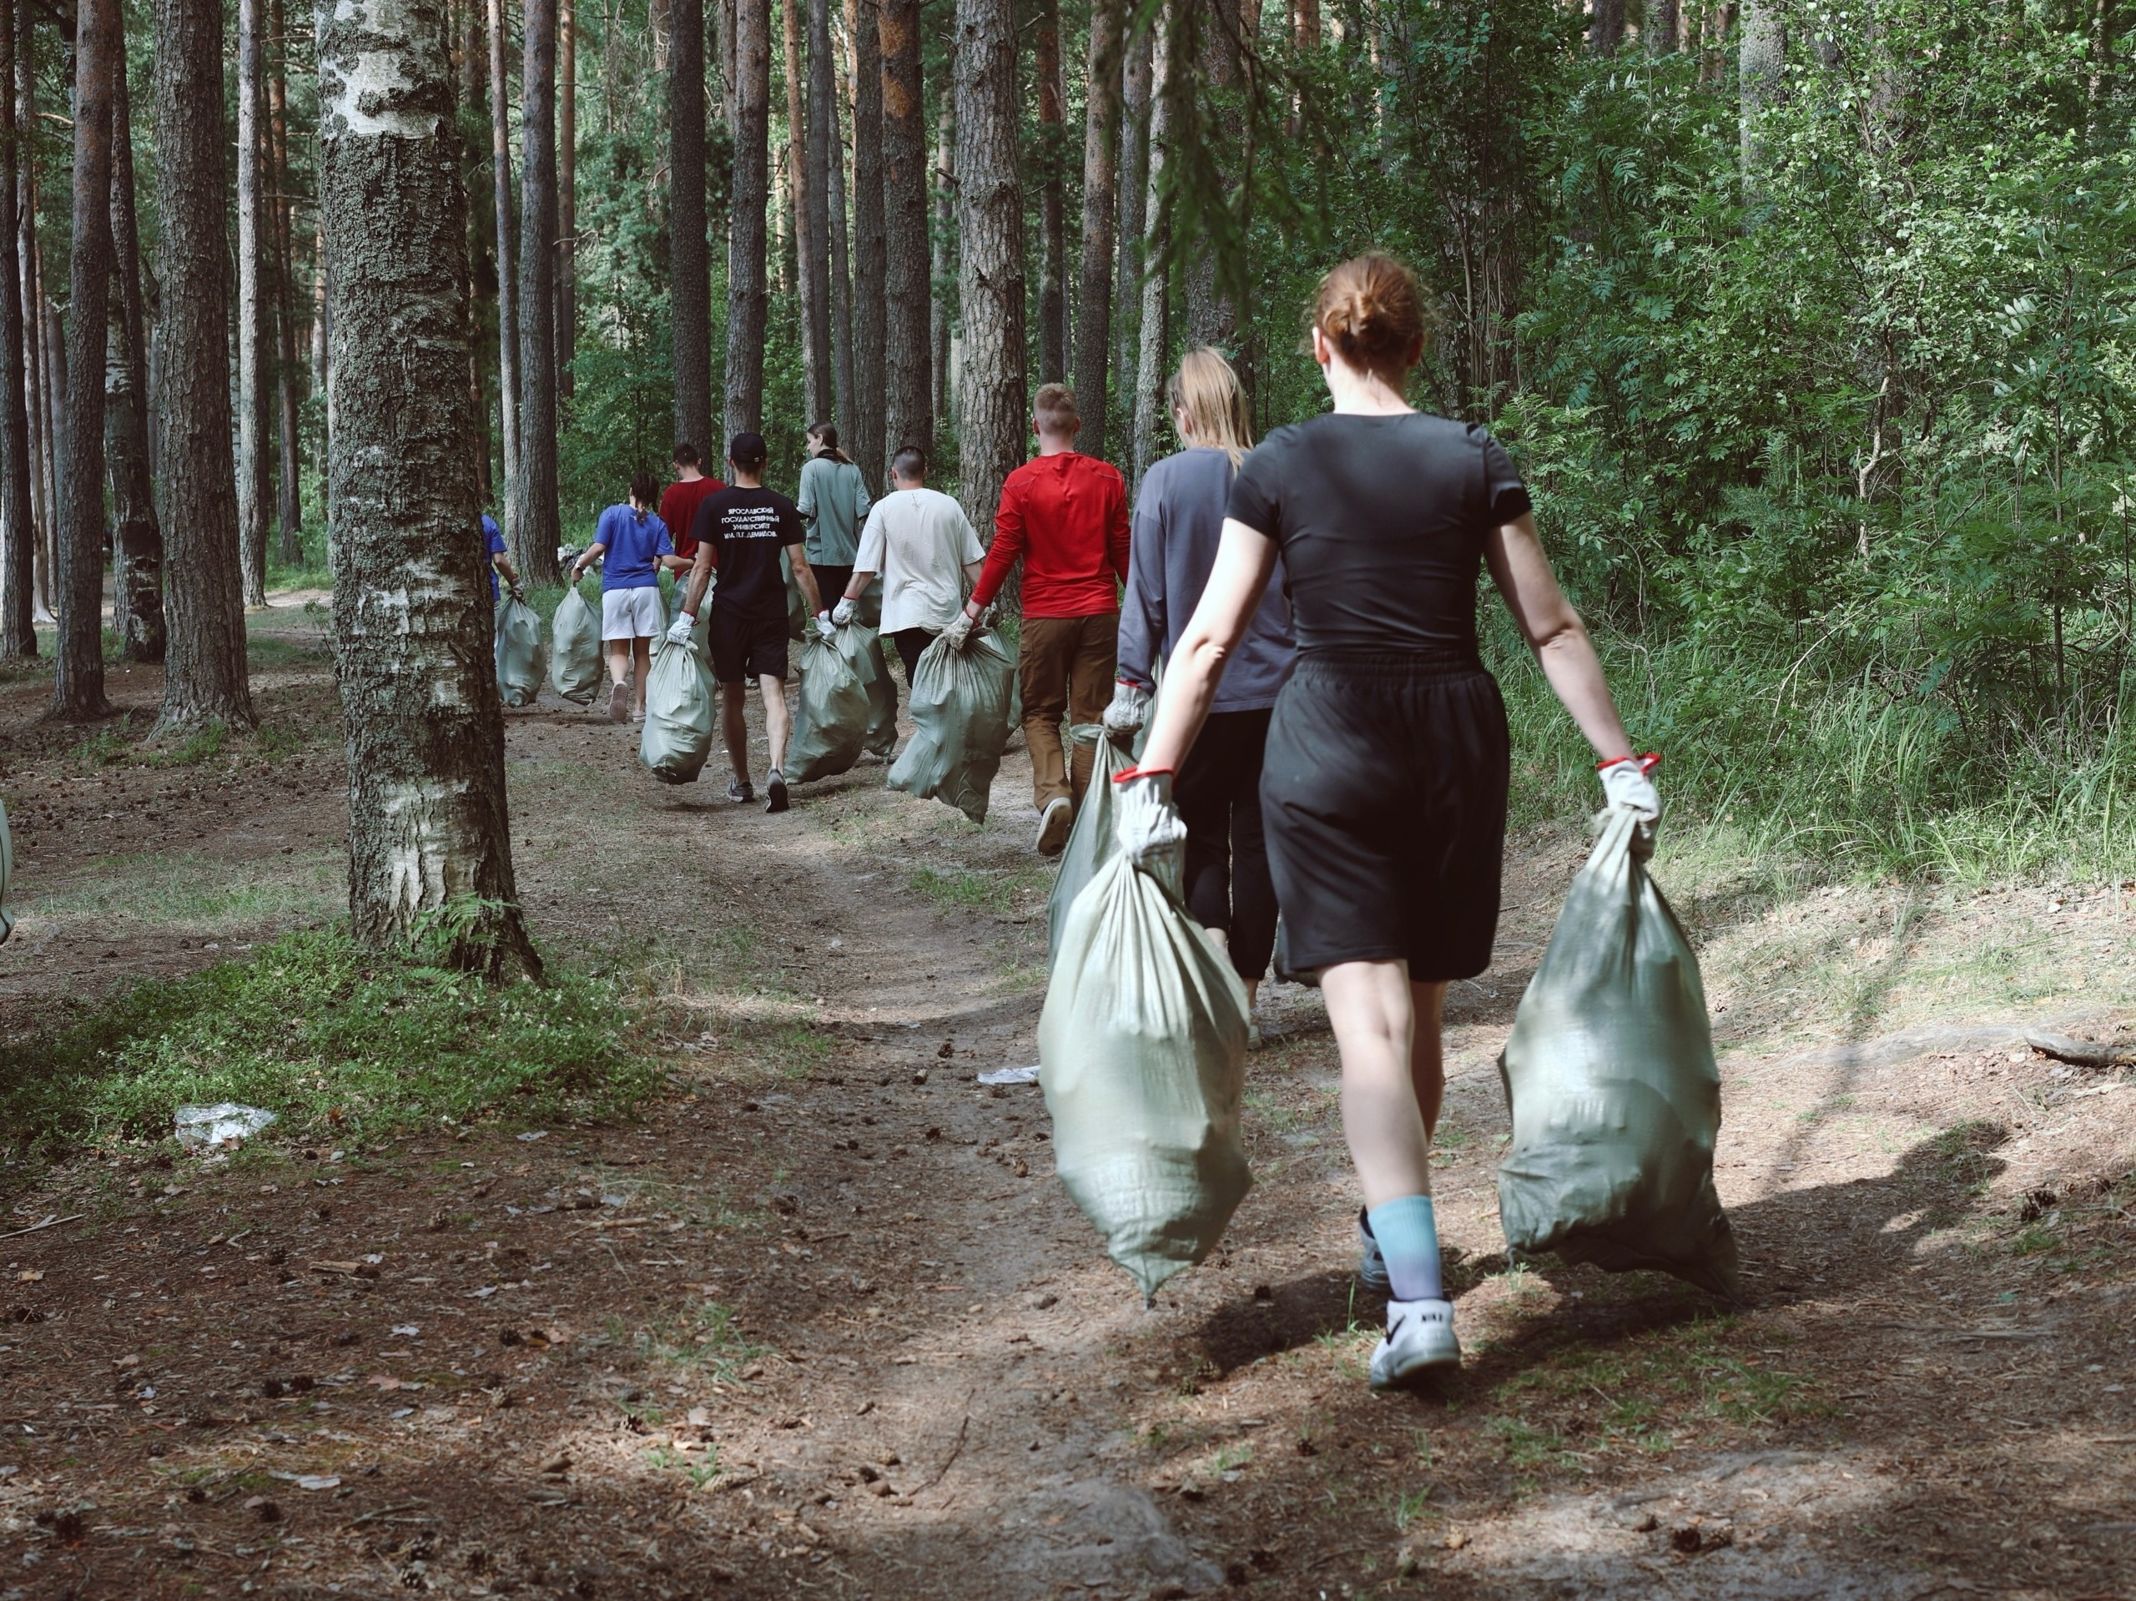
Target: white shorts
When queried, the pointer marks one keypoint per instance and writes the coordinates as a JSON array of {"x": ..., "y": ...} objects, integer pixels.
[{"x": 632, "y": 613}]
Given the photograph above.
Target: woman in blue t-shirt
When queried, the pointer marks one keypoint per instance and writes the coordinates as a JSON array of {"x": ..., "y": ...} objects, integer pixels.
[{"x": 636, "y": 545}]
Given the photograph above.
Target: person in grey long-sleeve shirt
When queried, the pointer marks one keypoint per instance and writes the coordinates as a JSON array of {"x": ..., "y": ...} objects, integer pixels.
[
  {"x": 833, "y": 503},
  {"x": 1177, "y": 525}
]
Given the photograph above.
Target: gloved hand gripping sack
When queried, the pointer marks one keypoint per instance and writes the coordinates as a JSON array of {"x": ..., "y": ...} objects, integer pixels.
[
  {"x": 1091, "y": 842},
  {"x": 1142, "y": 1051},
  {"x": 960, "y": 715},
  {"x": 518, "y": 651},
  {"x": 1615, "y": 1098},
  {"x": 832, "y": 709},
  {"x": 678, "y": 715},
  {"x": 575, "y": 649}
]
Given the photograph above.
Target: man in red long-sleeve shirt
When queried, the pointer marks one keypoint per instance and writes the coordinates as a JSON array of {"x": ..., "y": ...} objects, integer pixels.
[{"x": 1065, "y": 515}]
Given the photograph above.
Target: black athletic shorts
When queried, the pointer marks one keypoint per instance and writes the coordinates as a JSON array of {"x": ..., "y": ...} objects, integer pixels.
[
  {"x": 745, "y": 647},
  {"x": 1383, "y": 792}
]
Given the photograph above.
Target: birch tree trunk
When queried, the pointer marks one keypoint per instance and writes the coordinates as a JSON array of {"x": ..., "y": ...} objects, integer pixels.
[
  {"x": 908, "y": 340},
  {"x": 204, "y": 678},
  {"x": 750, "y": 95},
  {"x": 689, "y": 262},
  {"x": 1664, "y": 19},
  {"x": 252, "y": 478},
  {"x": 18, "y": 522},
  {"x": 539, "y": 530},
  {"x": 871, "y": 447},
  {"x": 1101, "y": 136},
  {"x": 78, "y": 692},
  {"x": 137, "y": 543},
  {"x": 428, "y": 831},
  {"x": 1134, "y": 178},
  {"x": 1761, "y": 66},
  {"x": 1154, "y": 357},
  {"x": 500, "y": 88},
  {"x": 1051, "y": 357},
  {"x": 992, "y": 398}
]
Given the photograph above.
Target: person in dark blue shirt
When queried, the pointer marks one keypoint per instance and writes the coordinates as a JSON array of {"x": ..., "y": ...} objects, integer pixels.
[
  {"x": 499, "y": 562},
  {"x": 632, "y": 544}
]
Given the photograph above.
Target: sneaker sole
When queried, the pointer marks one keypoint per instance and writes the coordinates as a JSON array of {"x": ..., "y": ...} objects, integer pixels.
[
  {"x": 1419, "y": 1371},
  {"x": 1053, "y": 831},
  {"x": 618, "y": 704},
  {"x": 775, "y": 798}
]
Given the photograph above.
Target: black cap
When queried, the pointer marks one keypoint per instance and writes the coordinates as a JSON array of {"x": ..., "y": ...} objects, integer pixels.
[{"x": 745, "y": 448}]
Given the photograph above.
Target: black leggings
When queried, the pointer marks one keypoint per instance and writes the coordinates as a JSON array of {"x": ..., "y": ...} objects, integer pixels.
[
  {"x": 910, "y": 643},
  {"x": 1218, "y": 792}
]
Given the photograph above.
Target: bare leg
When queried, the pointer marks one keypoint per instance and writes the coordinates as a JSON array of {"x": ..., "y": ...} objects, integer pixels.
[
  {"x": 735, "y": 727},
  {"x": 777, "y": 722},
  {"x": 1427, "y": 1066},
  {"x": 618, "y": 660},
  {"x": 1372, "y": 1006},
  {"x": 644, "y": 655}
]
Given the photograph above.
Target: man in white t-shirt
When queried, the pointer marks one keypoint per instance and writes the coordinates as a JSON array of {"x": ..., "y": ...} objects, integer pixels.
[{"x": 923, "y": 545}]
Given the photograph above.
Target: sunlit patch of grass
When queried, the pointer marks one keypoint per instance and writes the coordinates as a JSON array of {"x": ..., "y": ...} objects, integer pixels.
[
  {"x": 184, "y": 894},
  {"x": 704, "y": 1339}
]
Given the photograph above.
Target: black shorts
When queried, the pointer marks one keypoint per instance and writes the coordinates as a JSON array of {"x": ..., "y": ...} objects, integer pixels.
[
  {"x": 745, "y": 647},
  {"x": 1383, "y": 792}
]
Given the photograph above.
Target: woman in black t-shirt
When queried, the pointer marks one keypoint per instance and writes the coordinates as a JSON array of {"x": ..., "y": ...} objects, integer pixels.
[{"x": 1384, "y": 785}]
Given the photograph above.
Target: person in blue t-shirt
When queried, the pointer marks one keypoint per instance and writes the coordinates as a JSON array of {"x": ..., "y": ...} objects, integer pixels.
[
  {"x": 636, "y": 545},
  {"x": 499, "y": 562}
]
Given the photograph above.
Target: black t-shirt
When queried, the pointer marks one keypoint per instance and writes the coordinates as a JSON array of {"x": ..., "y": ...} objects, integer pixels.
[
  {"x": 747, "y": 528},
  {"x": 1381, "y": 521}
]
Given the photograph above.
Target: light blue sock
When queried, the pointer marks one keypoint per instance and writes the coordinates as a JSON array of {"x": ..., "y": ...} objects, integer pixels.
[{"x": 1408, "y": 1236}]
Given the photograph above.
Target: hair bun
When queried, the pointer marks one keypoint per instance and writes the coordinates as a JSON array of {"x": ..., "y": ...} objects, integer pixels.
[{"x": 1371, "y": 310}]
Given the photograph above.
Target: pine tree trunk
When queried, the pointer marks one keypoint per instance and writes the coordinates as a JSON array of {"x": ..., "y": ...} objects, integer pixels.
[
  {"x": 137, "y": 542},
  {"x": 746, "y": 292},
  {"x": 1213, "y": 314},
  {"x": 908, "y": 342},
  {"x": 318, "y": 320},
  {"x": 538, "y": 529},
  {"x": 1152, "y": 365},
  {"x": 1605, "y": 27},
  {"x": 942, "y": 255},
  {"x": 252, "y": 478},
  {"x": 204, "y": 669},
  {"x": 78, "y": 694},
  {"x": 566, "y": 200},
  {"x": 1101, "y": 136},
  {"x": 18, "y": 522},
  {"x": 289, "y": 479},
  {"x": 992, "y": 399},
  {"x": 428, "y": 830},
  {"x": 1134, "y": 181},
  {"x": 1050, "y": 359},
  {"x": 689, "y": 262},
  {"x": 827, "y": 146},
  {"x": 40, "y": 448},
  {"x": 1664, "y": 19},
  {"x": 871, "y": 247},
  {"x": 500, "y": 90},
  {"x": 810, "y": 223}
]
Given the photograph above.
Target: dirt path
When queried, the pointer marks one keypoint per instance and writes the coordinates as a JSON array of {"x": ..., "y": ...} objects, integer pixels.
[{"x": 825, "y": 1324}]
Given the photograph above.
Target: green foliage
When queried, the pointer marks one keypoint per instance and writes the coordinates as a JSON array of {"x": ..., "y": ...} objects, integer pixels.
[{"x": 339, "y": 1042}]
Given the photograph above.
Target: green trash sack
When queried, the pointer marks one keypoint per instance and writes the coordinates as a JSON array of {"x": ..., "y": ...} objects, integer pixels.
[
  {"x": 796, "y": 606},
  {"x": 1142, "y": 1057},
  {"x": 7, "y": 872},
  {"x": 831, "y": 710},
  {"x": 678, "y": 715},
  {"x": 575, "y": 649},
  {"x": 1610, "y": 1077},
  {"x": 960, "y": 717},
  {"x": 519, "y": 654},
  {"x": 881, "y": 738},
  {"x": 1091, "y": 842}
]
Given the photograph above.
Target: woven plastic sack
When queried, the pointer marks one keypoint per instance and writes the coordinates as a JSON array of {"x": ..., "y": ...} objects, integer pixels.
[
  {"x": 1091, "y": 842},
  {"x": 868, "y": 606},
  {"x": 7, "y": 872},
  {"x": 831, "y": 707},
  {"x": 881, "y": 737},
  {"x": 519, "y": 653},
  {"x": 960, "y": 717},
  {"x": 1142, "y": 1053},
  {"x": 1615, "y": 1098},
  {"x": 678, "y": 715},
  {"x": 575, "y": 649}
]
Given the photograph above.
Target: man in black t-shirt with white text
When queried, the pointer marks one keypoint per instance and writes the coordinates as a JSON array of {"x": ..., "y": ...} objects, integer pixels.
[{"x": 740, "y": 531}]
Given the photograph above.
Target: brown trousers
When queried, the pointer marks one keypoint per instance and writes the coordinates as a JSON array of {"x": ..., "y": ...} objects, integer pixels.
[{"x": 1065, "y": 671}]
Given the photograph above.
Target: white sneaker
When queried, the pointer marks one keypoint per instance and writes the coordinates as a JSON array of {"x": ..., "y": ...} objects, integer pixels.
[
  {"x": 1053, "y": 826},
  {"x": 1419, "y": 1344}
]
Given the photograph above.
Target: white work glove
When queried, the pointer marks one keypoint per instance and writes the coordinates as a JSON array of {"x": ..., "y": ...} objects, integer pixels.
[
  {"x": 679, "y": 630},
  {"x": 1148, "y": 826},
  {"x": 842, "y": 613},
  {"x": 1124, "y": 717},
  {"x": 959, "y": 631},
  {"x": 826, "y": 630},
  {"x": 1625, "y": 783}
]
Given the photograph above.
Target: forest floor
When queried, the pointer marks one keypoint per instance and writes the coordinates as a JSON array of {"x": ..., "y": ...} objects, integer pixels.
[{"x": 820, "y": 1321}]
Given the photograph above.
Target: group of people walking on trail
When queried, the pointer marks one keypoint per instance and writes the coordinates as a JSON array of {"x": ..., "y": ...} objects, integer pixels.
[{"x": 1328, "y": 740}]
